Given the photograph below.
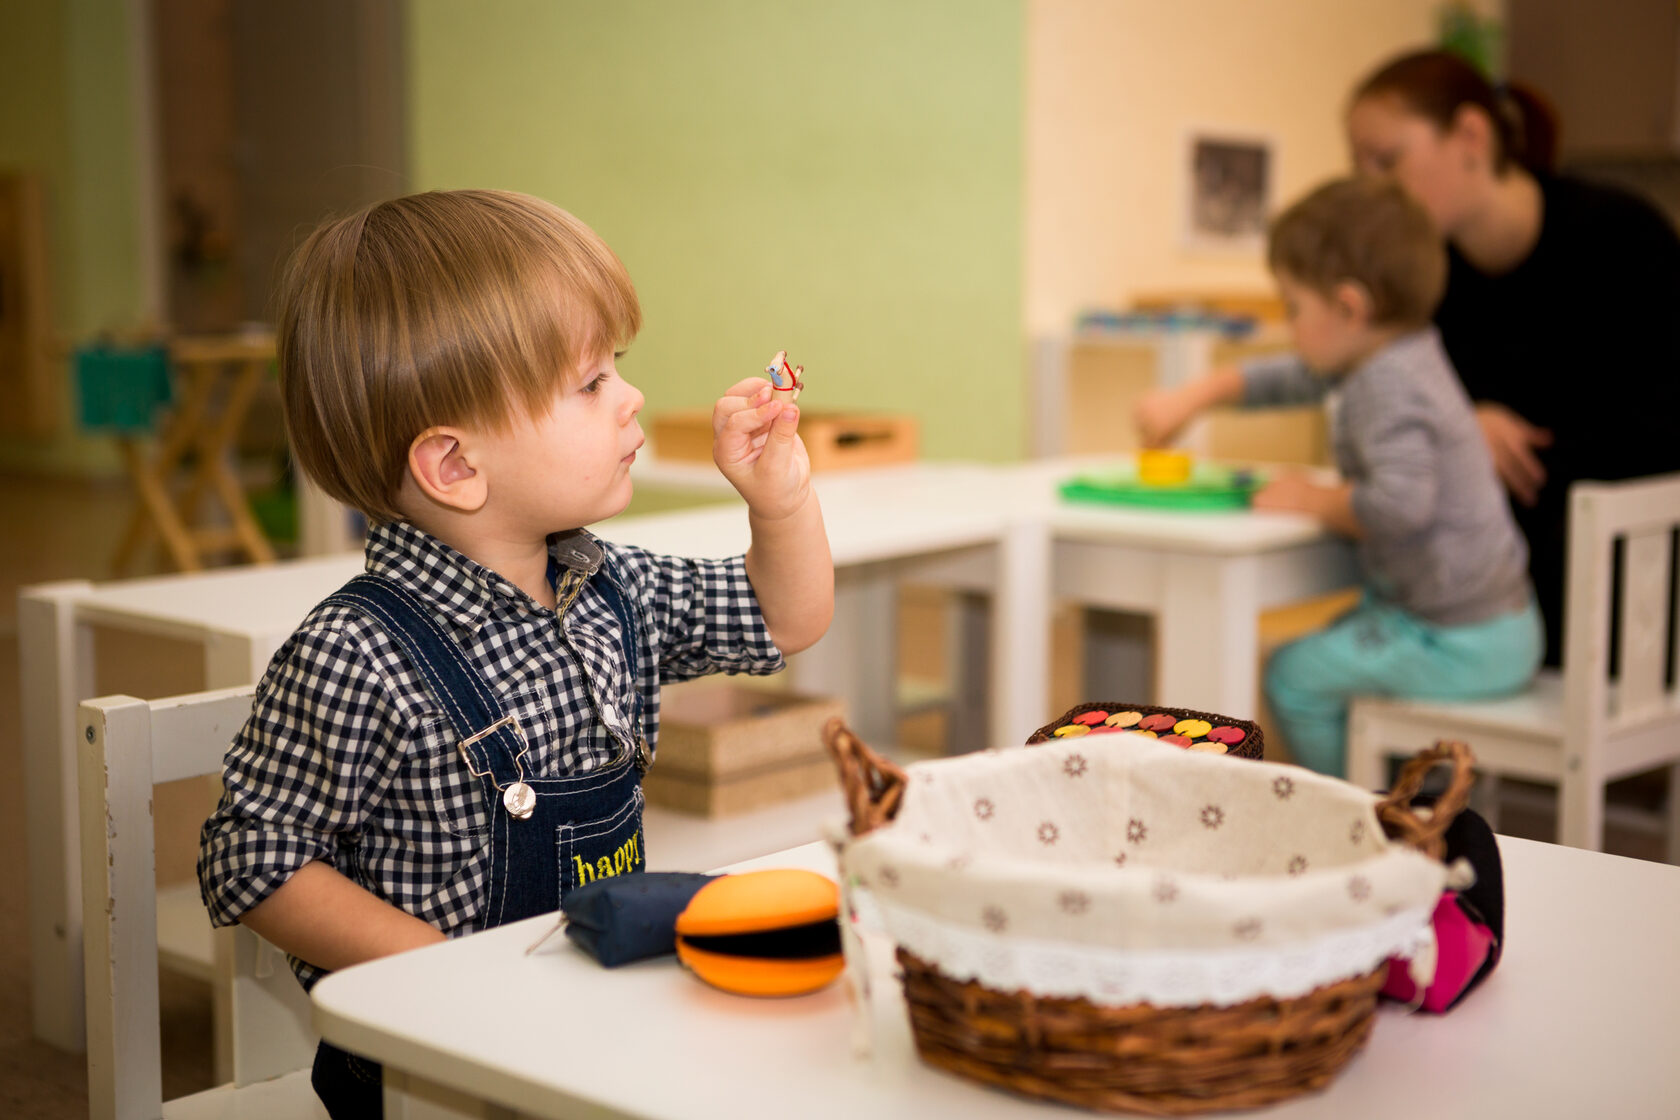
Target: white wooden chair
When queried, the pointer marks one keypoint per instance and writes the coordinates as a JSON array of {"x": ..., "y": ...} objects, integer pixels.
[
  {"x": 1577, "y": 729},
  {"x": 126, "y": 746}
]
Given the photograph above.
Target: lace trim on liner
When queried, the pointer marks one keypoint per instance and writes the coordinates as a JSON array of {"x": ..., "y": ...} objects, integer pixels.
[{"x": 1165, "y": 978}]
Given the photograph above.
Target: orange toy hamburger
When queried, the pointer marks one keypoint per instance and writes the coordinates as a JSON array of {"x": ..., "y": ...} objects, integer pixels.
[{"x": 763, "y": 933}]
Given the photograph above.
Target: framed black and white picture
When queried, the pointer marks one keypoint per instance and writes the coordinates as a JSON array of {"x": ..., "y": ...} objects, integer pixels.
[{"x": 1229, "y": 195}]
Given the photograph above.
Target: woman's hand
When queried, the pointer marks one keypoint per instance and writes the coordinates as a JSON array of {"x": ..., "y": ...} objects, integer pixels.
[
  {"x": 756, "y": 444},
  {"x": 1513, "y": 441}
]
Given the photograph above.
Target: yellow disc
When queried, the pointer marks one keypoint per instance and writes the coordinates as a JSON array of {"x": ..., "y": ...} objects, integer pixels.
[
  {"x": 1195, "y": 728},
  {"x": 1163, "y": 468},
  {"x": 1072, "y": 730},
  {"x": 1123, "y": 719}
]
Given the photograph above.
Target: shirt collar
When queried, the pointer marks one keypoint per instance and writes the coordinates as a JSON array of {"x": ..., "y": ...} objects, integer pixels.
[{"x": 460, "y": 589}]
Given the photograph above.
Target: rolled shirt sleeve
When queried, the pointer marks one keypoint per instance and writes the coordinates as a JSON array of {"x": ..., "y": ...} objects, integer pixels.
[
  {"x": 703, "y": 615},
  {"x": 300, "y": 775}
]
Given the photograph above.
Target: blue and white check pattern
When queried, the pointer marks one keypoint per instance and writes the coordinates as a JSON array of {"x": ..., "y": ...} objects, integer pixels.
[{"x": 348, "y": 758}]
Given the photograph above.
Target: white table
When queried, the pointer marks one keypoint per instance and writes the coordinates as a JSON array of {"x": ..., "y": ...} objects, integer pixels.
[
  {"x": 1204, "y": 578},
  {"x": 1579, "y": 1020},
  {"x": 997, "y": 533},
  {"x": 241, "y": 616}
]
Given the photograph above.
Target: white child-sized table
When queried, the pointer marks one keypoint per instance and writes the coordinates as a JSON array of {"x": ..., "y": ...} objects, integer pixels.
[
  {"x": 997, "y": 533},
  {"x": 241, "y": 616},
  {"x": 1579, "y": 1020},
  {"x": 1204, "y": 578}
]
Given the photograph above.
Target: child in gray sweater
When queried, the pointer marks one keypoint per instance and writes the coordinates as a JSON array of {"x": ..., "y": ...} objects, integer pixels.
[{"x": 1448, "y": 611}]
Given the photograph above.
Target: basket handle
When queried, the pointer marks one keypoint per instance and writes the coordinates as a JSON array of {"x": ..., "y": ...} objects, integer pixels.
[
  {"x": 873, "y": 786},
  {"x": 1425, "y": 833}
]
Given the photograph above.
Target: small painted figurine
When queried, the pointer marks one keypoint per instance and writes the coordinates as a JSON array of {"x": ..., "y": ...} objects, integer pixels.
[{"x": 783, "y": 377}]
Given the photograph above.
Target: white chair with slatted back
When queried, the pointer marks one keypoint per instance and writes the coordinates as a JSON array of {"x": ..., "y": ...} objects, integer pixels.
[
  {"x": 1579, "y": 729},
  {"x": 126, "y": 747}
]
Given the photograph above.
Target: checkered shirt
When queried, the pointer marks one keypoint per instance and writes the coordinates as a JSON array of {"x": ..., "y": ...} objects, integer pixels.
[{"x": 349, "y": 758}]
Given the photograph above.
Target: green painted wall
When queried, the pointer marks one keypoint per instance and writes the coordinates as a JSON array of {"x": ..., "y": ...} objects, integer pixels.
[
  {"x": 65, "y": 114},
  {"x": 842, "y": 180}
]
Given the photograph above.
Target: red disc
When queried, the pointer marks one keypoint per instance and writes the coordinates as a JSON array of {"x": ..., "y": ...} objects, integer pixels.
[
  {"x": 1176, "y": 740},
  {"x": 1157, "y": 722},
  {"x": 1091, "y": 718},
  {"x": 1228, "y": 735}
]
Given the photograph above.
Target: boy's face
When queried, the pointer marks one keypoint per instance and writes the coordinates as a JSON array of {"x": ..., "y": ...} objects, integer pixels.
[
  {"x": 1329, "y": 331},
  {"x": 570, "y": 467}
]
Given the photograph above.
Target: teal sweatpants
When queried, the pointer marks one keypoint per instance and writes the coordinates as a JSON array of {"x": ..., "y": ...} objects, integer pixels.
[{"x": 1377, "y": 649}]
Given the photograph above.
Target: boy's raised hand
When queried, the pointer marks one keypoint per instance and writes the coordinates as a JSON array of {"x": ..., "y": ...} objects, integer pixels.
[{"x": 756, "y": 444}]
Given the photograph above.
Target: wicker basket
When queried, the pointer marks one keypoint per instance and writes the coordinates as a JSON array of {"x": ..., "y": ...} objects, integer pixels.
[
  {"x": 1140, "y": 1057},
  {"x": 1251, "y": 745}
]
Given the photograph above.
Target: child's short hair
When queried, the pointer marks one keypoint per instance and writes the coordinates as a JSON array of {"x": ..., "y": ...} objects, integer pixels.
[
  {"x": 450, "y": 307},
  {"x": 1369, "y": 232}
]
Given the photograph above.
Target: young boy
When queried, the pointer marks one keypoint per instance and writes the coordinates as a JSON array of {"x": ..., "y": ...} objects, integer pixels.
[
  {"x": 1448, "y": 610},
  {"x": 454, "y": 740}
]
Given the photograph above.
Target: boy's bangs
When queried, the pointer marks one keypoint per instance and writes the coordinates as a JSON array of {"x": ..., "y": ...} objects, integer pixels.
[{"x": 564, "y": 301}]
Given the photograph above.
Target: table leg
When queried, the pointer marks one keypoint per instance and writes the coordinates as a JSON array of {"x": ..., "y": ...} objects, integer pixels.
[
  {"x": 857, "y": 660},
  {"x": 1020, "y": 654},
  {"x": 323, "y": 524},
  {"x": 50, "y": 672},
  {"x": 968, "y": 645},
  {"x": 1207, "y": 635},
  {"x": 1119, "y": 657}
]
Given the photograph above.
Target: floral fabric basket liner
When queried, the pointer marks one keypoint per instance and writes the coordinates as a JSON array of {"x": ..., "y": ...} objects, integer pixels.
[{"x": 1115, "y": 875}]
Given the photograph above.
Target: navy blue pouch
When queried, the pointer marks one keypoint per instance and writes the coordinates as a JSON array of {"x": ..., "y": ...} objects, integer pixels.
[{"x": 629, "y": 917}]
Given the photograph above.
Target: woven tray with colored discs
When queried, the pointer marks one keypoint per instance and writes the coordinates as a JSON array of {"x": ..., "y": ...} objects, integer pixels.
[
  {"x": 1210, "y": 487},
  {"x": 1197, "y": 731}
]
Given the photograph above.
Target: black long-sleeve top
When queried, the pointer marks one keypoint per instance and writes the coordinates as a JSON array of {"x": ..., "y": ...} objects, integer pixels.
[{"x": 1582, "y": 338}]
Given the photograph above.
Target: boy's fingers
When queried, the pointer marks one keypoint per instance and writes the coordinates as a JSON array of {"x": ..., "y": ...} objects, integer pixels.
[
  {"x": 780, "y": 439},
  {"x": 728, "y": 407},
  {"x": 747, "y": 387},
  {"x": 749, "y": 420}
]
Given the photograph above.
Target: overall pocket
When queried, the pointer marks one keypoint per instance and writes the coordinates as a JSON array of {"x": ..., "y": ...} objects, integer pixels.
[
  {"x": 456, "y": 795},
  {"x": 599, "y": 849}
]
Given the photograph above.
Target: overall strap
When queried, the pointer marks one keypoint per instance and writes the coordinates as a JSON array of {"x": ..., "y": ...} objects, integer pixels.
[
  {"x": 617, "y": 599},
  {"x": 467, "y": 698}
]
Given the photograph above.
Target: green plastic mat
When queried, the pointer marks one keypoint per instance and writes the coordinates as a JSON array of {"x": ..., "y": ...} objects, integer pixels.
[{"x": 1208, "y": 488}]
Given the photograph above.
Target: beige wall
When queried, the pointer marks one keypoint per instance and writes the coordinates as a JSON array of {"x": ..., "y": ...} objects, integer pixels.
[{"x": 1114, "y": 87}]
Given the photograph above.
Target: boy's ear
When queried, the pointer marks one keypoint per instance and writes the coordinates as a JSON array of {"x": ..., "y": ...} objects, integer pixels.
[
  {"x": 1350, "y": 298},
  {"x": 441, "y": 465}
]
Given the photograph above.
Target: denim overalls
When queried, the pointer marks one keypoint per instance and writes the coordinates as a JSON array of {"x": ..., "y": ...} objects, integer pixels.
[{"x": 547, "y": 835}]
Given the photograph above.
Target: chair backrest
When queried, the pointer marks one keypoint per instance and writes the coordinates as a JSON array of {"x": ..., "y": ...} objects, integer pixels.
[
  {"x": 1643, "y": 514},
  {"x": 126, "y": 746}
]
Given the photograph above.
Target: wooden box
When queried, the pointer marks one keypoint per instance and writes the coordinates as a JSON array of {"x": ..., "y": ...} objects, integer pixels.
[
  {"x": 834, "y": 440},
  {"x": 725, "y": 747}
]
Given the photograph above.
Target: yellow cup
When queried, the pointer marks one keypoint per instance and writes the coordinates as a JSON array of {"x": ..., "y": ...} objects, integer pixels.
[{"x": 1163, "y": 468}]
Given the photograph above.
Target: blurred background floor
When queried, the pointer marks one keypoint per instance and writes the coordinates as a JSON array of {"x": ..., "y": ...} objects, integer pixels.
[{"x": 64, "y": 529}]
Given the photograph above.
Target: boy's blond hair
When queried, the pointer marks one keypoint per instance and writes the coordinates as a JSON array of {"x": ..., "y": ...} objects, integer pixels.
[
  {"x": 450, "y": 307},
  {"x": 1368, "y": 232}
]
